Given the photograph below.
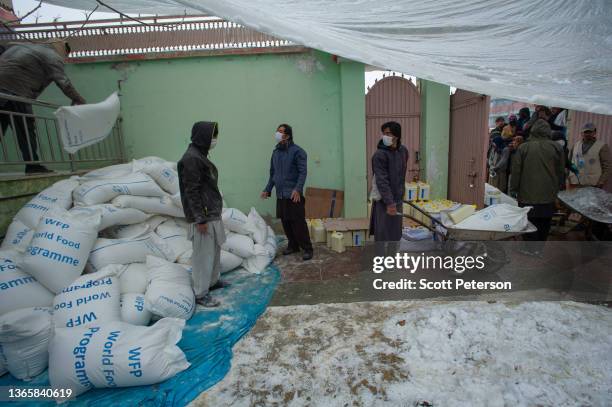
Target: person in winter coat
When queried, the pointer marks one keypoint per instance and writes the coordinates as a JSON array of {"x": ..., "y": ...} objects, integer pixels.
[
  {"x": 537, "y": 171},
  {"x": 498, "y": 164},
  {"x": 389, "y": 165},
  {"x": 524, "y": 115},
  {"x": 26, "y": 70},
  {"x": 592, "y": 159},
  {"x": 288, "y": 168},
  {"x": 202, "y": 204}
]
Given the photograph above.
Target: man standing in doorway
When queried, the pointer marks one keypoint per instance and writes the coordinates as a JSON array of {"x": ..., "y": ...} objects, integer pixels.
[
  {"x": 389, "y": 165},
  {"x": 288, "y": 168},
  {"x": 202, "y": 204},
  {"x": 26, "y": 70}
]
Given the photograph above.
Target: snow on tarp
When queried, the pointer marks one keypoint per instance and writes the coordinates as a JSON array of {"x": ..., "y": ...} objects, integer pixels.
[
  {"x": 207, "y": 342},
  {"x": 551, "y": 52}
]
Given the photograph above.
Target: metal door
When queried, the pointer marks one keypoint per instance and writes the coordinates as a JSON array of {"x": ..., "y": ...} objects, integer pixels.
[
  {"x": 468, "y": 147},
  {"x": 394, "y": 98}
]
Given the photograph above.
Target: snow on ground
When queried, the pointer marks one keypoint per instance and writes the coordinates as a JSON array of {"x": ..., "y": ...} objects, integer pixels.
[{"x": 423, "y": 353}]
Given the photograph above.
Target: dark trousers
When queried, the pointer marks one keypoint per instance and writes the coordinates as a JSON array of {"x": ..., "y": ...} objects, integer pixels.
[
  {"x": 293, "y": 217},
  {"x": 23, "y": 127},
  {"x": 543, "y": 226}
]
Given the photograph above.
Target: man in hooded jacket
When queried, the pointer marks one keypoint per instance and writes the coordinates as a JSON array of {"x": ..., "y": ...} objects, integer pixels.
[
  {"x": 202, "y": 204},
  {"x": 389, "y": 165},
  {"x": 537, "y": 173}
]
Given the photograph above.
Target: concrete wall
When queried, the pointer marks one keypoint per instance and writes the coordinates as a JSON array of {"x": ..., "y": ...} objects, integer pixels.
[
  {"x": 249, "y": 96},
  {"x": 435, "y": 125}
]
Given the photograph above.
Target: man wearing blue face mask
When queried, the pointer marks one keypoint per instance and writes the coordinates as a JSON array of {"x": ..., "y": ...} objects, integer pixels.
[
  {"x": 389, "y": 165},
  {"x": 288, "y": 175}
]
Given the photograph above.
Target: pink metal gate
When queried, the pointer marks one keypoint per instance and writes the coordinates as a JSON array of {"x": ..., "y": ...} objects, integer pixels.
[
  {"x": 468, "y": 146},
  {"x": 394, "y": 98}
]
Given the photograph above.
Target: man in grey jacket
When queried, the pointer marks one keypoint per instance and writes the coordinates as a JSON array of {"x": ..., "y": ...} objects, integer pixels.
[
  {"x": 26, "y": 70},
  {"x": 202, "y": 204},
  {"x": 389, "y": 165}
]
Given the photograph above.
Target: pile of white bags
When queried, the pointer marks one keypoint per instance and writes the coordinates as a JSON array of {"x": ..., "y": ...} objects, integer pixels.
[{"x": 95, "y": 259}]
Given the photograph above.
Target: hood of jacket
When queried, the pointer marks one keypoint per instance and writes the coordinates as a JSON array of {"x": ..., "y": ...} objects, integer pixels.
[
  {"x": 202, "y": 134},
  {"x": 540, "y": 130}
]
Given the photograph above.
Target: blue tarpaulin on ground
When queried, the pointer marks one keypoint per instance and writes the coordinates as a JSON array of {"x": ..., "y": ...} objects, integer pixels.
[{"x": 207, "y": 342}]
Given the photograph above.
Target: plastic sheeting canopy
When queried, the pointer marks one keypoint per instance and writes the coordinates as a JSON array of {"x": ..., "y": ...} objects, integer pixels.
[{"x": 551, "y": 52}]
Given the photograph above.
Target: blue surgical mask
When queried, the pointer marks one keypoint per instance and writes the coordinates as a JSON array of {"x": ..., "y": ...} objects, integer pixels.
[
  {"x": 278, "y": 136},
  {"x": 387, "y": 140}
]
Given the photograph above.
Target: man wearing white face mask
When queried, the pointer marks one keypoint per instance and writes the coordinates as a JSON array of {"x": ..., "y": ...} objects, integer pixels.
[
  {"x": 288, "y": 175},
  {"x": 202, "y": 204},
  {"x": 389, "y": 165}
]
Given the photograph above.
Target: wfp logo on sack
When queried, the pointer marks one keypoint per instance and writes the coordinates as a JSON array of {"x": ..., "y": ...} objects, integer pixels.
[{"x": 507, "y": 227}]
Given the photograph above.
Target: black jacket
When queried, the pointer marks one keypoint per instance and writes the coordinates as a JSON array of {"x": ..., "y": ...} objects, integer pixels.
[
  {"x": 198, "y": 177},
  {"x": 389, "y": 166}
]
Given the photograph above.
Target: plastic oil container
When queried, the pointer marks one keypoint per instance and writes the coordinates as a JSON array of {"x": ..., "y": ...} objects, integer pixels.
[
  {"x": 492, "y": 198},
  {"x": 412, "y": 190},
  {"x": 359, "y": 237},
  {"x": 423, "y": 192},
  {"x": 318, "y": 232},
  {"x": 337, "y": 242}
]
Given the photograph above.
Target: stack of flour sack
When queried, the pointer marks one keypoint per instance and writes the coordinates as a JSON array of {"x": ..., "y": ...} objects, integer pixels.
[{"x": 91, "y": 261}]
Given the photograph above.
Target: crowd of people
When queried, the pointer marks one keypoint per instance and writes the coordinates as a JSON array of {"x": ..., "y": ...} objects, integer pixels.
[{"x": 529, "y": 159}]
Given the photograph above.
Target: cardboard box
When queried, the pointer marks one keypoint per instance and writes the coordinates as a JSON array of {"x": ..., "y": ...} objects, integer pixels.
[{"x": 324, "y": 203}]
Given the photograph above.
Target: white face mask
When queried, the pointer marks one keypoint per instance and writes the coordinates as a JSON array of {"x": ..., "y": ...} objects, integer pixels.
[
  {"x": 213, "y": 143},
  {"x": 387, "y": 140},
  {"x": 278, "y": 136}
]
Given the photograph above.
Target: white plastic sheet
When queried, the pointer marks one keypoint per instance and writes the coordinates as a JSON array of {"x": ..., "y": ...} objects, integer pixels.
[
  {"x": 552, "y": 52},
  {"x": 83, "y": 125}
]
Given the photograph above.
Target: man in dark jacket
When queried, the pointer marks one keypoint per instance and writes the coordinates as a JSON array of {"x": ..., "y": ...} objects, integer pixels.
[
  {"x": 389, "y": 165},
  {"x": 537, "y": 172},
  {"x": 26, "y": 70},
  {"x": 202, "y": 204},
  {"x": 288, "y": 175}
]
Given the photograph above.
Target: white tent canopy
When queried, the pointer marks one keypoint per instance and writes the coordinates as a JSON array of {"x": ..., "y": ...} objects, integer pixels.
[{"x": 551, "y": 52}]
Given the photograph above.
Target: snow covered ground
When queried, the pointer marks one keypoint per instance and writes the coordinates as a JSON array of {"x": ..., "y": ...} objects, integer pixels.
[{"x": 422, "y": 354}]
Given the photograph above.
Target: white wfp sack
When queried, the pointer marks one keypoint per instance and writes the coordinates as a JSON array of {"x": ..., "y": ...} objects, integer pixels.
[
  {"x": 170, "y": 291},
  {"x": 112, "y": 171},
  {"x": 259, "y": 227},
  {"x": 158, "y": 205},
  {"x": 60, "y": 247},
  {"x": 165, "y": 176},
  {"x": 240, "y": 245},
  {"x": 174, "y": 233},
  {"x": 271, "y": 243},
  {"x": 498, "y": 218},
  {"x": 133, "y": 278},
  {"x": 113, "y": 215},
  {"x": 57, "y": 195},
  {"x": 172, "y": 226},
  {"x": 126, "y": 251},
  {"x": 18, "y": 289},
  {"x": 126, "y": 231},
  {"x": 115, "y": 354},
  {"x": 236, "y": 221},
  {"x": 105, "y": 189},
  {"x": 18, "y": 236},
  {"x": 229, "y": 261},
  {"x": 24, "y": 341},
  {"x": 91, "y": 298},
  {"x": 83, "y": 125},
  {"x": 133, "y": 309},
  {"x": 259, "y": 261}
]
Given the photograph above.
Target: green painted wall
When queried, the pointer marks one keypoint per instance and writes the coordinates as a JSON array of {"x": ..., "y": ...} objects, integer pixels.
[
  {"x": 435, "y": 128},
  {"x": 353, "y": 139},
  {"x": 249, "y": 96}
]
